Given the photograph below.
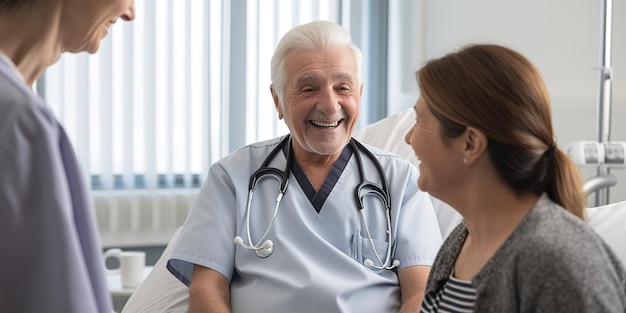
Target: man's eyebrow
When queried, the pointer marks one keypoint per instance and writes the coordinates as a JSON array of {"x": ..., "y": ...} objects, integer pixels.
[
  {"x": 343, "y": 76},
  {"x": 308, "y": 78}
]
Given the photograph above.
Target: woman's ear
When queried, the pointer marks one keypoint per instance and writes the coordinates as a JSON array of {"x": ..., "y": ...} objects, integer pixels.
[
  {"x": 277, "y": 105},
  {"x": 474, "y": 146}
]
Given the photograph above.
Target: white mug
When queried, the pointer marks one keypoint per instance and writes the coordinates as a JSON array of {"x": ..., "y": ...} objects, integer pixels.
[{"x": 131, "y": 266}]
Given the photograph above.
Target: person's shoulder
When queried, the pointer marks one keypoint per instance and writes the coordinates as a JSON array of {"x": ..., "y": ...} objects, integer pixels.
[
  {"x": 263, "y": 146},
  {"x": 22, "y": 113},
  {"x": 550, "y": 222},
  {"x": 251, "y": 153},
  {"x": 552, "y": 236},
  {"x": 16, "y": 96},
  {"x": 383, "y": 154},
  {"x": 14, "y": 93},
  {"x": 563, "y": 253}
]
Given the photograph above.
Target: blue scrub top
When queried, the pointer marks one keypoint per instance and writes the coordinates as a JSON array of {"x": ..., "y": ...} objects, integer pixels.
[{"x": 317, "y": 263}]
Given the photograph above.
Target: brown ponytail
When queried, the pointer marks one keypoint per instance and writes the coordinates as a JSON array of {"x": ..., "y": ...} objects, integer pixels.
[{"x": 566, "y": 184}]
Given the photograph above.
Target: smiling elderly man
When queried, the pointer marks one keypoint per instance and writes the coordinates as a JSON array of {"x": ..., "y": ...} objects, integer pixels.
[{"x": 310, "y": 249}]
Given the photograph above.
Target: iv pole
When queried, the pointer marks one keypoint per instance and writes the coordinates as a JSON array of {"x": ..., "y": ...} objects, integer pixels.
[{"x": 604, "y": 101}]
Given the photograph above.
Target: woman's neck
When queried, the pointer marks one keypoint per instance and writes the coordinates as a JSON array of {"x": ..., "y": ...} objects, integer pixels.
[
  {"x": 496, "y": 215},
  {"x": 29, "y": 36},
  {"x": 490, "y": 220}
]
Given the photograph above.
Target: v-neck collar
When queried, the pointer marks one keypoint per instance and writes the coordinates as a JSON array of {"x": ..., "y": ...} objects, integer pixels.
[{"x": 317, "y": 199}]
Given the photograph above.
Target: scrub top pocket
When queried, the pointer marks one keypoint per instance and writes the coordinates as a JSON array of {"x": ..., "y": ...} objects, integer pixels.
[{"x": 362, "y": 250}]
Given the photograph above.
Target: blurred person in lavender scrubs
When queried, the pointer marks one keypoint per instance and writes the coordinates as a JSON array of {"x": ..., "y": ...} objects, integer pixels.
[{"x": 51, "y": 254}]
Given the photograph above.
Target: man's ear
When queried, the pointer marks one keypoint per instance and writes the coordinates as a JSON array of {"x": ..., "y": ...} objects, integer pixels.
[
  {"x": 279, "y": 108},
  {"x": 475, "y": 145}
]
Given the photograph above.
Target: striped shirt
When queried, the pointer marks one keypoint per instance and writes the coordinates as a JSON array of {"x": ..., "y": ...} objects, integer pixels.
[{"x": 455, "y": 296}]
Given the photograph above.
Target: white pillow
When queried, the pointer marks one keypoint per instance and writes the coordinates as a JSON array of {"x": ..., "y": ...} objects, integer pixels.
[
  {"x": 608, "y": 221},
  {"x": 389, "y": 133}
]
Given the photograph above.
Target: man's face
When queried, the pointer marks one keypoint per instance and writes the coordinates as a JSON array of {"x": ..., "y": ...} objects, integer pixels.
[{"x": 321, "y": 99}]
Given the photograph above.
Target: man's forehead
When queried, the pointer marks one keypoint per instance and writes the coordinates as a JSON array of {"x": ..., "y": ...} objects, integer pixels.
[
  {"x": 315, "y": 77},
  {"x": 333, "y": 56}
]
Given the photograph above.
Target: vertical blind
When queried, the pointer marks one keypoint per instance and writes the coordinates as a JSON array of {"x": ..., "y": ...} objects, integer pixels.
[{"x": 181, "y": 86}]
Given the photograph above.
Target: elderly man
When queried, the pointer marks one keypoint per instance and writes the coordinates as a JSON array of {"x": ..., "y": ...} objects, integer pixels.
[{"x": 337, "y": 227}]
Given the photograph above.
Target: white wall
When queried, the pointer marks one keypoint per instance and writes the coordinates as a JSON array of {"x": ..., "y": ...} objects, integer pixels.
[{"x": 562, "y": 38}]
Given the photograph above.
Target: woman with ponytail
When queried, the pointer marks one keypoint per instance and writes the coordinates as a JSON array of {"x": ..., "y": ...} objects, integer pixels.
[{"x": 486, "y": 146}]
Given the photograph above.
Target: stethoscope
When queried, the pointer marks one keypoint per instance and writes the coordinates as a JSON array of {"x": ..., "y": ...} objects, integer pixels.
[{"x": 264, "y": 248}]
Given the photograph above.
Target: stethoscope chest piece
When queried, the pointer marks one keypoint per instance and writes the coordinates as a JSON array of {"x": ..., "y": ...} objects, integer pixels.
[{"x": 266, "y": 249}]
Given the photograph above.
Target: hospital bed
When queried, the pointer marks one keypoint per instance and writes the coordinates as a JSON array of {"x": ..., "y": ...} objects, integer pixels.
[{"x": 161, "y": 292}]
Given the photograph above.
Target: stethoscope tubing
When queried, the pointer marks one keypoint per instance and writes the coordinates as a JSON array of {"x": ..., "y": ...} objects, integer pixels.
[
  {"x": 264, "y": 247},
  {"x": 262, "y": 240}
]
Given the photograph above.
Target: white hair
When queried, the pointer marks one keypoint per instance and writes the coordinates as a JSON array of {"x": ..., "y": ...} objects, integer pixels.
[{"x": 316, "y": 35}]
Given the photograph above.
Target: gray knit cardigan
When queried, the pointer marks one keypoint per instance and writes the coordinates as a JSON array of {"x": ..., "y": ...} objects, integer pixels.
[{"x": 552, "y": 262}]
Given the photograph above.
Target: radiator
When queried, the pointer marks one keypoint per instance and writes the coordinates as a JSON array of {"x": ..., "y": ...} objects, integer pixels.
[{"x": 140, "y": 218}]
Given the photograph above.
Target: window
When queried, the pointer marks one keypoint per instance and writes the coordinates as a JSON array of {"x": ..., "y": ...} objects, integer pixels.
[{"x": 186, "y": 83}]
